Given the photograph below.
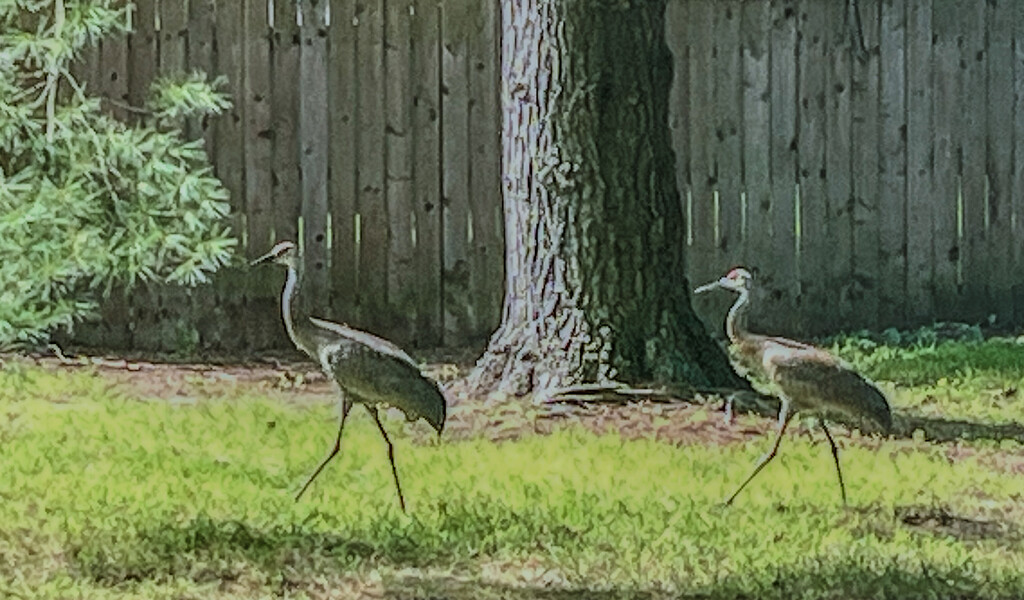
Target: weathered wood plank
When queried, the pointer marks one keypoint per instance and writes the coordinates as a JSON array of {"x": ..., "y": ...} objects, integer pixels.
[
  {"x": 974, "y": 263},
  {"x": 343, "y": 85},
  {"x": 487, "y": 246},
  {"x": 426, "y": 133},
  {"x": 258, "y": 133},
  {"x": 947, "y": 105},
  {"x": 455, "y": 168},
  {"x": 755, "y": 37},
  {"x": 838, "y": 158},
  {"x": 200, "y": 39},
  {"x": 261, "y": 292},
  {"x": 373, "y": 214},
  {"x": 399, "y": 193},
  {"x": 865, "y": 136},
  {"x": 313, "y": 143},
  {"x": 780, "y": 279},
  {"x": 892, "y": 196},
  {"x": 703, "y": 222},
  {"x": 919, "y": 299},
  {"x": 726, "y": 139},
  {"x": 1017, "y": 197},
  {"x": 173, "y": 36},
  {"x": 284, "y": 108},
  {"x": 814, "y": 247},
  {"x": 142, "y": 53},
  {"x": 228, "y": 155},
  {"x": 999, "y": 158}
]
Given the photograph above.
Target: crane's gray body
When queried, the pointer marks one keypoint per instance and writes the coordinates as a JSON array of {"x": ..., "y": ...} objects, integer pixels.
[
  {"x": 813, "y": 380},
  {"x": 807, "y": 379},
  {"x": 368, "y": 369}
]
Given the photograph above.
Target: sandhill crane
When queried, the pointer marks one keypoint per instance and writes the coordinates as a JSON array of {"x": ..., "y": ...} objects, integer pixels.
[
  {"x": 368, "y": 370},
  {"x": 808, "y": 379}
]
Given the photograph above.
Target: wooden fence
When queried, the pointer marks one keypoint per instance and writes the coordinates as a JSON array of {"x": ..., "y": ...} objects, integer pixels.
[
  {"x": 863, "y": 157},
  {"x": 369, "y": 129},
  {"x": 860, "y": 157}
]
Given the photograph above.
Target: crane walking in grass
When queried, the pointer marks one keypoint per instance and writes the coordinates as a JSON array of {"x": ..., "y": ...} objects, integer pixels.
[
  {"x": 808, "y": 379},
  {"x": 368, "y": 370}
]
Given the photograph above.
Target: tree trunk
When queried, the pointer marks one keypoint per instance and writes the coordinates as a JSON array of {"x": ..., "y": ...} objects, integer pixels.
[{"x": 596, "y": 290}]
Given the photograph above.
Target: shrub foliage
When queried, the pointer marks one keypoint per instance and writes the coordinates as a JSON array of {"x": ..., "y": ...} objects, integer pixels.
[{"x": 88, "y": 201}]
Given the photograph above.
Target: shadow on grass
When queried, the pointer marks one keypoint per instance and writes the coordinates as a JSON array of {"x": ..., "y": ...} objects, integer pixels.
[
  {"x": 949, "y": 430},
  {"x": 299, "y": 559},
  {"x": 206, "y": 549},
  {"x": 847, "y": 578},
  {"x": 904, "y": 426}
]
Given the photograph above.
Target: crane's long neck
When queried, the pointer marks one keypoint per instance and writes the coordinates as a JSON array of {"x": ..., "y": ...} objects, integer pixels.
[
  {"x": 736, "y": 321},
  {"x": 292, "y": 311},
  {"x": 288, "y": 301}
]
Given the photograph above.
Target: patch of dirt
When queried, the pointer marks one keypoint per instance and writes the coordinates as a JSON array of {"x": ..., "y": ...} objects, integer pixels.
[{"x": 679, "y": 422}]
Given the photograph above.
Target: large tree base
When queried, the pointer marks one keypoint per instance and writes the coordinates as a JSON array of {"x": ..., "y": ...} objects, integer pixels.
[{"x": 546, "y": 355}]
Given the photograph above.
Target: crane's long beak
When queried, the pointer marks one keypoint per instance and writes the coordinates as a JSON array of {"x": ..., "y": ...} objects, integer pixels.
[
  {"x": 708, "y": 287},
  {"x": 265, "y": 258}
]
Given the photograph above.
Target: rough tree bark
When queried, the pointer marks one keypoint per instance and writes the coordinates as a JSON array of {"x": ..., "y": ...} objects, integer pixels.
[{"x": 595, "y": 290}]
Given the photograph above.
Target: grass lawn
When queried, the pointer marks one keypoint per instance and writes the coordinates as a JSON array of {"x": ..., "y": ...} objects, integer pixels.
[{"x": 109, "y": 490}]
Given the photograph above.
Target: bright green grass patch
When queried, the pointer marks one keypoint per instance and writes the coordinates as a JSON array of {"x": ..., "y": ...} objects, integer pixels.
[
  {"x": 106, "y": 496},
  {"x": 988, "y": 362}
]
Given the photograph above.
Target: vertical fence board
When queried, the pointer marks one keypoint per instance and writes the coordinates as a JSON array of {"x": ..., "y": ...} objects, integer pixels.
[
  {"x": 399, "y": 148},
  {"x": 229, "y": 149},
  {"x": 314, "y": 152},
  {"x": 780, "y": 280},
  {"x": 284, "y": 110},
  {"x": 485, "y": 269},
  {"x": 258, "y": 135},
  {"x": 865, "y": 136},
  {"x": 173, "y": 36},
  {"x": 342, "y": 90},
  {"x": 455, "y": 163},
  {"x": 755, "y": 28},
  {"x": 373, "y": 214},
  {"x": 258, "y": 132},
  {"x": 703, "y": 221},
  {"x": 973, "y": 263},
  {"x": 815, "y": 246},
  {"x": 999, "y": 158},
  {"x": 726, "y": 138},
  {"x": 838, "y": 163},
  {"x": 113, "y": 63},
  {"x": 426, "y": 121},
  {"x": 920, "y": 163},
  {"x": 946, "y": 104},
  {"x": 1017, "y": 196},
  {"x": 892, "y": 196},
  {"x": 142, "y": 53}
]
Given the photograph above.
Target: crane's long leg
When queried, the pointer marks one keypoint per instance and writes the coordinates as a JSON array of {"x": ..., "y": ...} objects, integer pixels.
[
  {"x": 391, "y": 452},
  {"x": 835, "y": 457},
  {"x": 346, "y": 405},
  {"x": 784, "y": 417}
]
